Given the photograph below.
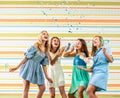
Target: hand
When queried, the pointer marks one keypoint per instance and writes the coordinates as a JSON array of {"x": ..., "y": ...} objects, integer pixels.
[
  {"x": 60, "y": 52},
  {"x": 12, "y": 69},
  {"x": 49, "y": 79},
  {"x": 62, "y": 49},
  {"x": 87, "y": 60},
  {"x": 80, "y": 67},
  {"x": 104, "y": 50},
  {"x": 71, "y": 48}
]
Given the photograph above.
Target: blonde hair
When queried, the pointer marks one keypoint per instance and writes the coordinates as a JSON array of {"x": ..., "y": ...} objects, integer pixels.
[
  {"x": 94, "y": 49},
  {"x": 39, "y": 41}
]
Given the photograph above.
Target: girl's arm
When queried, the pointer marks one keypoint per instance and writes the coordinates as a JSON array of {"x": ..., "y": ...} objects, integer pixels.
[
  {"x": 69, "y": 53},
  {"x": 110, "y": 59},
  {"x": 52, "y": 61},
  {"x": 85, "y": 69},
  {"x": 20, "y": 64},
  {"x": 46, "y": 74}
]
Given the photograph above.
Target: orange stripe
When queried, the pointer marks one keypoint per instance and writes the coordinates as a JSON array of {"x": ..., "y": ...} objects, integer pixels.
[
  {"x": 116, "y": 53},
  {"x": 66, "y": 85},
  {"x": 11, "y": 52},
  {"x": 21, "y": 52},
  {"x": 9, "y": 85},
  {"x": 109, "y": 85},
  {"x": 113, "y": 85},
  {"x": 59, "y": 20}
]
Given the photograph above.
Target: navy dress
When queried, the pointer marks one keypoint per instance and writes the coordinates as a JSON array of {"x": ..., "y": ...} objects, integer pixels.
[{"x": 31, "y": 70}]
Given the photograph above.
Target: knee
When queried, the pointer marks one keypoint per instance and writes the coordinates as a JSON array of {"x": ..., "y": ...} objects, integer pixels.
[
  {"x": 80, "y": 92},
  {"x": 88, "y": 91},
  {"x": 52, "y": 95},
  {"x": 26, "y": 88},
  {"x": 70, "y": 95},
  {"x": 42, "y": 88}
]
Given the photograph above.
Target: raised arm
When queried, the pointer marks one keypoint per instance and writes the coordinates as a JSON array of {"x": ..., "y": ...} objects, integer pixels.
[
  {"x": 53, "y": 60},
  {"x": 110, "y": 59},
  {"x": 69, "y": 53}
]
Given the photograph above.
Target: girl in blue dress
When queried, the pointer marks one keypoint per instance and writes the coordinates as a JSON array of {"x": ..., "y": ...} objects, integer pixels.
[
  {"x": 101, "y": 57},
  {"x": 80, "y": 78},
  {"x": 31, "y": 66}
]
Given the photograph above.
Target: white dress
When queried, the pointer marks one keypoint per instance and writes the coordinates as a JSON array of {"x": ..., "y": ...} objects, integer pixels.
[{"x": 56, "y": 73}]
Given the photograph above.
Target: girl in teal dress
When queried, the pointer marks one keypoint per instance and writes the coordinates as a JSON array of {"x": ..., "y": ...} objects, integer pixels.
[
  {"x": 31, "y": 66},
  {"x": 80, "y": 78}
]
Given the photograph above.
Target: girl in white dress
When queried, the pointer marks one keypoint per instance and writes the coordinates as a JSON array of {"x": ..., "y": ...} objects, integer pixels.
[{"x": 55, "y": 70}]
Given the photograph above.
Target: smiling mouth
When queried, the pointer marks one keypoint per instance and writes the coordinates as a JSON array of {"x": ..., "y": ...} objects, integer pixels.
[
  {"x": 56, "y": 44},
  {"x": 46, "y": 37}
]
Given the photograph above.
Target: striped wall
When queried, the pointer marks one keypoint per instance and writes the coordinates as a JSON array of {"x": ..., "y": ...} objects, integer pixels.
[{"x": 22, "y": 20}]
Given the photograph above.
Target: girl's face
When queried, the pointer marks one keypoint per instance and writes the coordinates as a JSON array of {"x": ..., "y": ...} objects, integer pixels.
[
  {"x": 96, "y": 42},
  {"x": 55, "y": 42},
  {"x": 44, "y": 36},
  {"x": 78, "y": 45}
]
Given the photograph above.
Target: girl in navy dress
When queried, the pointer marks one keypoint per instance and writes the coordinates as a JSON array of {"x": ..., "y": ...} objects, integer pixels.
[
  {"x": 101, "y": 57},
  {"x": 31, "y": 66}
]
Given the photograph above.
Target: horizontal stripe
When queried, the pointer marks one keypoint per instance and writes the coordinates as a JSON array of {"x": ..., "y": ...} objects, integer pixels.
[
  {"x": 63, "y": 7},
  {"x": 59, "y": 20},
  {"x": 70, "y": 67},
  {"x": 57, "y": 2},
  {"x": 21, "y": 52},
  {"x": 59, "y": 35}
]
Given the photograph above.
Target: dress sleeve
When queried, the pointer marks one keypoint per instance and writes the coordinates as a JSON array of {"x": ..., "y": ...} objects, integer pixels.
[
  {"x": 45, "y": 61},
  {"x": 30, "y": 52}
]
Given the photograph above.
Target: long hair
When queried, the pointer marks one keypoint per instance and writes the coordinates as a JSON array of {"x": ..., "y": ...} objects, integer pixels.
[
  {"x": 51, "y": 47},
  {"x": 40, "y": 40},
  {"x": 94, "y": 49},
  {"x": 83, "y": 47}
]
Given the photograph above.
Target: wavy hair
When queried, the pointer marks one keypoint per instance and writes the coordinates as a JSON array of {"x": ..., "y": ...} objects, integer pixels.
[{"x": 94, "y": 49}]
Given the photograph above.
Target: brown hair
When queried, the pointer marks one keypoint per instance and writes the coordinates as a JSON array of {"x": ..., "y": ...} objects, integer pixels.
[
  {"x": 94, "y": 49},
  {"x": 51, "y": 47},
  {"x": 84, "y": 47}
]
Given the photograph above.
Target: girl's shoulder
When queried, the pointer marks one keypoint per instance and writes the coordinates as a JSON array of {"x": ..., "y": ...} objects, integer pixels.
[
  {"x": 36, "y": 44},
  {"x": 82, "y": 54}
]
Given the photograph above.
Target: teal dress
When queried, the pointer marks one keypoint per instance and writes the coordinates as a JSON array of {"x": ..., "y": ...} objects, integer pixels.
[
  {"x": 31, "y": 70},
  {"x": 79, "y": 77}
]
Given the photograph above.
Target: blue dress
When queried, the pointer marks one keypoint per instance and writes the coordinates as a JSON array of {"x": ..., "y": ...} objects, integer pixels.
[
  {"x": 31, "y": 69},
  {"x": 99, "y": 75},
  {"x": 79, "y": 77}
]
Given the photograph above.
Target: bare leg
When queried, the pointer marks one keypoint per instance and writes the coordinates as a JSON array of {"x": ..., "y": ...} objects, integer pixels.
[
  {"x": 40, "y": 91},
  {"x": 62, "y": 91},
  {"x": 26, "y": 86},
  {"x": 80, "y": 92},
  {"x": 52, "y": 92},
  {"x": 91, "y": 89}
]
